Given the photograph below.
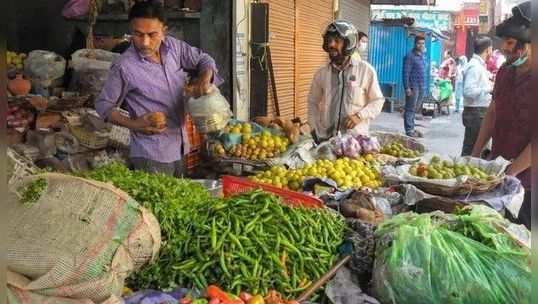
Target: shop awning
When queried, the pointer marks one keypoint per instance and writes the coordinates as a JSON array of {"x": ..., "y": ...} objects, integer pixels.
[{"x": 403, "y": 2}]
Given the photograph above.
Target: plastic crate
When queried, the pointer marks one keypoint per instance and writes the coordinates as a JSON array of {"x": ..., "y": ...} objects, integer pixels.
[
  {"x": 232, "y": 185},
  {"x": 193, "y": 135},
  {"x": 192, "y": 160}
]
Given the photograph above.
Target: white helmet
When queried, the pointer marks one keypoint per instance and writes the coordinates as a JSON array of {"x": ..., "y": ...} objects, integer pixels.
[{"x": 344, "y": 29}]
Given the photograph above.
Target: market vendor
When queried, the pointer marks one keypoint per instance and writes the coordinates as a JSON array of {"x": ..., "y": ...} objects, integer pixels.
[
  {"x": 345, "y": 94},
  {"x": 149, "y": 78},
  {"x": 509, "y": 120}
]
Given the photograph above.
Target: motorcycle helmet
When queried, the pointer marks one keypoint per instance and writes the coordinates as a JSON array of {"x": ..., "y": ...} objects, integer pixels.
[{"x": 345, "y": 30}]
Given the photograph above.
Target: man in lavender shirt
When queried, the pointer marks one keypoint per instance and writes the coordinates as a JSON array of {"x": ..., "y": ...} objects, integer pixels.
[{"x": 150, "y": 77}]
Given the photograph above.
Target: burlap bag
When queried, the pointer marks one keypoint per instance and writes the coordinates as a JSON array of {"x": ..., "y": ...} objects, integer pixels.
[{"x": 78, "y": 241}]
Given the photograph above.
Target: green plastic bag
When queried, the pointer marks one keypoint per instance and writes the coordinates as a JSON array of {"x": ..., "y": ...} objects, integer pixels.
[
  {"x": 445, "y": 89},
  {"x": 441, "y": 258}
]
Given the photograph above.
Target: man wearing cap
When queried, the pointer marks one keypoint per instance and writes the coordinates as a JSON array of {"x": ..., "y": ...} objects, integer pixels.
[
  {"x": 509, "y": 120},
  {"x": 345, "y": 94}
]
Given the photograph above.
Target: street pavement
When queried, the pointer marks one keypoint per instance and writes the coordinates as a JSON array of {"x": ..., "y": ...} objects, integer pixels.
[{"x": 442, "y": 135}]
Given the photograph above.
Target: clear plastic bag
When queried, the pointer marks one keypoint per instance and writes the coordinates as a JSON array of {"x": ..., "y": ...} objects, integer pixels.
[
  {"x": 44, "y": 67},
  {"x": 210, "y": 113},
  {"x": 90, "y": 70}
]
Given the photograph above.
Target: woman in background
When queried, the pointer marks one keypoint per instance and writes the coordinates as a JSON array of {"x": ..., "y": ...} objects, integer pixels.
[{"x": 462, "y": 61}]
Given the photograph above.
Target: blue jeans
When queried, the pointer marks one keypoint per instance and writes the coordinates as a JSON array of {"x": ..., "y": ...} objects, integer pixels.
[
  {"x": 459, "y": 95},
  {"x": 412, "y": 104}
]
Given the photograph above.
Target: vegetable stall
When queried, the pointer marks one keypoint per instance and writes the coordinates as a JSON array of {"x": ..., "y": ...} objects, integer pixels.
[
  {"x": 274, "y": 233},
  {"x": 286, "y": 220}
]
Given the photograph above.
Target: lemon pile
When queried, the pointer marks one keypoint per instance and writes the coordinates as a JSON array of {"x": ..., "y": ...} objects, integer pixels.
[
  {"x": 262, "y": 145},
  {"x": 438, "y": 169},
  {"x": 398, "y": 150},
  {"x": 347, "y": 173},
  {"x": 15, "y": 60}
]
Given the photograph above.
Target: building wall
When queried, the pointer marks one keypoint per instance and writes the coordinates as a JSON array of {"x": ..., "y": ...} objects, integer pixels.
[
  {"x": 38, "y": 24},
  {"x": 242, "y": 60},
  {"x": 358, "y": 13}
]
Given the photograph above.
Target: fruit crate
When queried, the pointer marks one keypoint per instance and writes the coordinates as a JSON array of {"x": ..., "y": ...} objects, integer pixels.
[
  {"x": 192, "y": 161},
  {"x": 232, "y": 185}
]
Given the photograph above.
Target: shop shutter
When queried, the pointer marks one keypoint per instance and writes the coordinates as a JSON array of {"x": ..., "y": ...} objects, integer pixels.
[
  {"x": 312, "y": 17},
  {"x": 356, "y": 12},
  {"x": 282, "y": 44}
]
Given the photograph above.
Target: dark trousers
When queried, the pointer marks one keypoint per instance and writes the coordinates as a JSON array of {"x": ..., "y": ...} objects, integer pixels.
[
  {"x": 176, "y": 168},
  {"x": 472, "y": 120},
  {"x": 524, "y": 217},
  {"x": 413, "y": 104}
]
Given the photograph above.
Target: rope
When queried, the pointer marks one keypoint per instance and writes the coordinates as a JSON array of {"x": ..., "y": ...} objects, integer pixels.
[{"x": 95, "y": 6}]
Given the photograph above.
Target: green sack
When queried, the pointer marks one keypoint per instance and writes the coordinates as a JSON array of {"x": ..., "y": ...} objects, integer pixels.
[{"x": 440, "y": 258}]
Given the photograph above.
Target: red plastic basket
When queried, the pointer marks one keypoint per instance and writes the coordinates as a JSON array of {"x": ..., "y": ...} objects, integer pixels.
[{"x": 233, "y": 185}]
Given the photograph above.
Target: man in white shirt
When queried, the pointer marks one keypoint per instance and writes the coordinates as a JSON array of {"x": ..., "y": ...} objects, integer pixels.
[
  {"x": 345, "y": 94},
  {"x": 477, "y": 89}
]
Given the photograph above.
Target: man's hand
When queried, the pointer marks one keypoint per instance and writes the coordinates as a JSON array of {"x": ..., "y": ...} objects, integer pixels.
[
  {"x": 408, "y": 92},
  {"x": 197, "y": 88},
  {"x": 147, "y": 126},
  {"x": 352, "y": 121},
  {"x": 200, "y": 86}
]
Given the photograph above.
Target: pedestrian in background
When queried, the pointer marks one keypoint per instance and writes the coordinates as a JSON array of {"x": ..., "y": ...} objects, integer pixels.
[
  {"x": 414, "y": 80},
  {"x": 477, "y": 89},
  {"x": 462, "y": 61}
]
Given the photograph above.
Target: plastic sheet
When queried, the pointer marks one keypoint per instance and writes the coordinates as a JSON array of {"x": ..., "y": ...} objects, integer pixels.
[
  {"x": 343, "y": 289},
  {"x": 443, "y": 258}
]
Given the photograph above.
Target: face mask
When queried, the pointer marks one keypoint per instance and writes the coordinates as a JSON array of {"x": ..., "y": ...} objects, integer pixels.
[
  {"x": 363, "y": 47},
  {"x": 520, "y": 61}
]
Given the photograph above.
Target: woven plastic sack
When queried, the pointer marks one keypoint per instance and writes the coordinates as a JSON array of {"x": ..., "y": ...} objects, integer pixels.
[
  {"x": 444, "y": 258},
  {"x": 80, "y": 239}
]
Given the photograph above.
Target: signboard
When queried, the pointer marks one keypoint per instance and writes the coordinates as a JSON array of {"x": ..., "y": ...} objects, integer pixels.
[
  {"x": 435, "y": 20},
  {"x": 471, "y": 13},
  {"x": 484, "y": 6}
]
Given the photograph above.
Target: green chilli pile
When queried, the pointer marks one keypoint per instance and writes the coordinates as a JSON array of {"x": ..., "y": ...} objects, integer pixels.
[{"x": 250, "y": 242}]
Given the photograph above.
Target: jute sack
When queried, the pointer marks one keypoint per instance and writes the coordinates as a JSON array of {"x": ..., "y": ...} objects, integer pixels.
[{"x": 79, "y": 240}]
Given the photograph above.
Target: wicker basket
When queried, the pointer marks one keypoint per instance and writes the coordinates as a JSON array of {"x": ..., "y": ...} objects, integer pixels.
[
  {"x": 18, "y": 167},
  {"x": 92, "y": 140},
  {"x": 471, "y": 186}
]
